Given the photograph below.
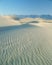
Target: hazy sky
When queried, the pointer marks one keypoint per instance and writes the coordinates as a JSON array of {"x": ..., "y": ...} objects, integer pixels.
[{"x": 8, "y": 7}]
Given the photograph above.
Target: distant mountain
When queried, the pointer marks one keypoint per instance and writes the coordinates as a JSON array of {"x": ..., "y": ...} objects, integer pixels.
[
  {"x": 47, "y": 17},
  {"x": 28, "y": 16}
]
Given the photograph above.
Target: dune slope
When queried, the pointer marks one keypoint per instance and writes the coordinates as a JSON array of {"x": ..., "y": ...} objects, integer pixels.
[
  {"x": 26, "y": 45},
  {"x": 13, "y": 20},
  {"x": 7, "y": 21}
]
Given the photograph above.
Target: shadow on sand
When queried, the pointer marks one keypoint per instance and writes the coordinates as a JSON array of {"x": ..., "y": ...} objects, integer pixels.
[{"x": 6, "y": 28}]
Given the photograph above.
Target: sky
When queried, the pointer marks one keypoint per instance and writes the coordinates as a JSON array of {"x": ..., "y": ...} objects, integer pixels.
[{"x": 25, "y": 7}]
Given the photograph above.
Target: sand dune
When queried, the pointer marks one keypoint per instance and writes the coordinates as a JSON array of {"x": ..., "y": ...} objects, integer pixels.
[
  {"x": 12, "y": 20},
  {"x": 27, "y": 43},
  {"x": 8, "y": 21},
  {"x": 37, "y": 21}
]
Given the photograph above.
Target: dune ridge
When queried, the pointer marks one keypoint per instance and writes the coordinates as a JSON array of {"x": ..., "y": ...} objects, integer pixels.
[
  {"x": 27, "y": 43},
  {"x": 12, "y": 20}
]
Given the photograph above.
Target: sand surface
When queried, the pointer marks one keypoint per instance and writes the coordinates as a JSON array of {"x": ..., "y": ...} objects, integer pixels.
[{"x": 26, "y": 44}]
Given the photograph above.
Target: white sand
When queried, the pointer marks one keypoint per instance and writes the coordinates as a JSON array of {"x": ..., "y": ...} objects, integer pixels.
[
  {"x": 9, "y": 21},
  {"x": 27, "y": 44}
]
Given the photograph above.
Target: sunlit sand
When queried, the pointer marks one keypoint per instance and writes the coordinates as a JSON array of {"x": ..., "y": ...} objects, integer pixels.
[{"x": 25, "y": 42}]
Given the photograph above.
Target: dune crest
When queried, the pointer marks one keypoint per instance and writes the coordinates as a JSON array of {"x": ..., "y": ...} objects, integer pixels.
[
  {"x": 13, "y": 20},
  {"x": 8, "y": 21}
]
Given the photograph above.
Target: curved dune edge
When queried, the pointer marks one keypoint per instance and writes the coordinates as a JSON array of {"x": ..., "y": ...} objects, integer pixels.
[{"x": 10, "y": 21}]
